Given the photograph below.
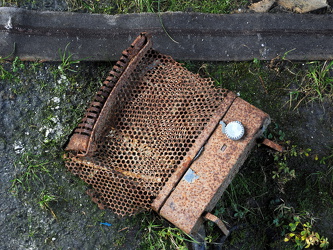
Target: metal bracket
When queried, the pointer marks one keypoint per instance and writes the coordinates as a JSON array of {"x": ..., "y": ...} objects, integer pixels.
[
  {"x": 218, "y": 222},
  {"x": 272, "y": 145}
]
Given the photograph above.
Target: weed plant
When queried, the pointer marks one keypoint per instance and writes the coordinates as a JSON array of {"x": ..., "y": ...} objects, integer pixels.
[
  {"x": 45, "y": 202},
  {"x": 66, "y": 61},
  {"x": 303, "y": 236}
]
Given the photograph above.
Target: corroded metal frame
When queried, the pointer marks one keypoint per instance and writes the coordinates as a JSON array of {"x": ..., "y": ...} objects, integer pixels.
[{"x": 189, "y": 194}]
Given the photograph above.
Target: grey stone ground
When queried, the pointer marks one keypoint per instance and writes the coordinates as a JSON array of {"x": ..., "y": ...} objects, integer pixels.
[{"x": 34, "y": 116}]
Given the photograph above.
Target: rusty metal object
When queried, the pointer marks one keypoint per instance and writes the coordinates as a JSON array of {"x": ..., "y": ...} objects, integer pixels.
[
  {"x": 152, "y": 139},
  {"x": 98, "y": 117},
  {"x": 214, "y": 169},
  {"x": 272, "y": 145},
  {"x": 192, "y": 154},
  {"x": 217, "y": 221},
  {"x": 150, "y": 117}
]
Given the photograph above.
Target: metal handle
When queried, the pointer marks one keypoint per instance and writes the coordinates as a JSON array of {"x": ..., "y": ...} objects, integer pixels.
[
  {"x": 272, "y": 145},
  {"x": 218, "y": 222}
]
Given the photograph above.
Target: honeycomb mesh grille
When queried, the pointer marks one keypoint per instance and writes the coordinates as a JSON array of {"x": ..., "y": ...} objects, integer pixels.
[{"x": 159, "y": 114}]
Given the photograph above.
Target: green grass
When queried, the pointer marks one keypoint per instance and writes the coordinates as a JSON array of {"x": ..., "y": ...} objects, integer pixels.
[
  {"x": 156, "y": 233},
  {"x": 315, "y": 85},
  {"x": 136, "y": 6},
  {"x": 45, "y": 201},
  {"x": 66, "y": 61},
  {"x": 205, "y": 6},
  {"x": 34, "y": 168},
  {"x": 5, "y": 73}
]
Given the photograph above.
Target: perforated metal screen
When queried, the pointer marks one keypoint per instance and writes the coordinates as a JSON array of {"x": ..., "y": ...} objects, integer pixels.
[{"x": 139, "y": 128}]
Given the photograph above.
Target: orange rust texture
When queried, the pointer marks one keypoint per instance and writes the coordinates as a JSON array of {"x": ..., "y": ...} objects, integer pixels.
[
  {"x": 272, "y": 145},
  {"x": 93, "y": 124},
  {"x": 215, "y": 169},
  {"x": 78, "y": 143},
  {"x": 148, "y": 120},
  {"x": 218, "y": 221},
  {"x": 184, "y": 165}
]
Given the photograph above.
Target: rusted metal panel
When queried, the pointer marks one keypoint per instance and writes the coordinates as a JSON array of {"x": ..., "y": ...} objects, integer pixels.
[
  {"x": 98, "y": 117},
  {"x": 207, "y": 178},
  {"x": 199, "y": 36},
  {"x": 147, "y": 126},
  {"x": 152, "y": 139},
  {"x": 202, "y": 139}
]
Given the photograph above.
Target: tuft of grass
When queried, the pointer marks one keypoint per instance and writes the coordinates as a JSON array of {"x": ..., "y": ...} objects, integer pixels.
[
  {"x": 5, "y": 74},
  {"x": 34, "y": 168},
  {"x": 31, "y": 229},
  {"x": 66, "y": 61},
  {"x": 320, "y": 84},
  {"x": 158, "y": 234},
  {"x": 316, "y": 84},
  {"x": 45, "y": 199}
]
